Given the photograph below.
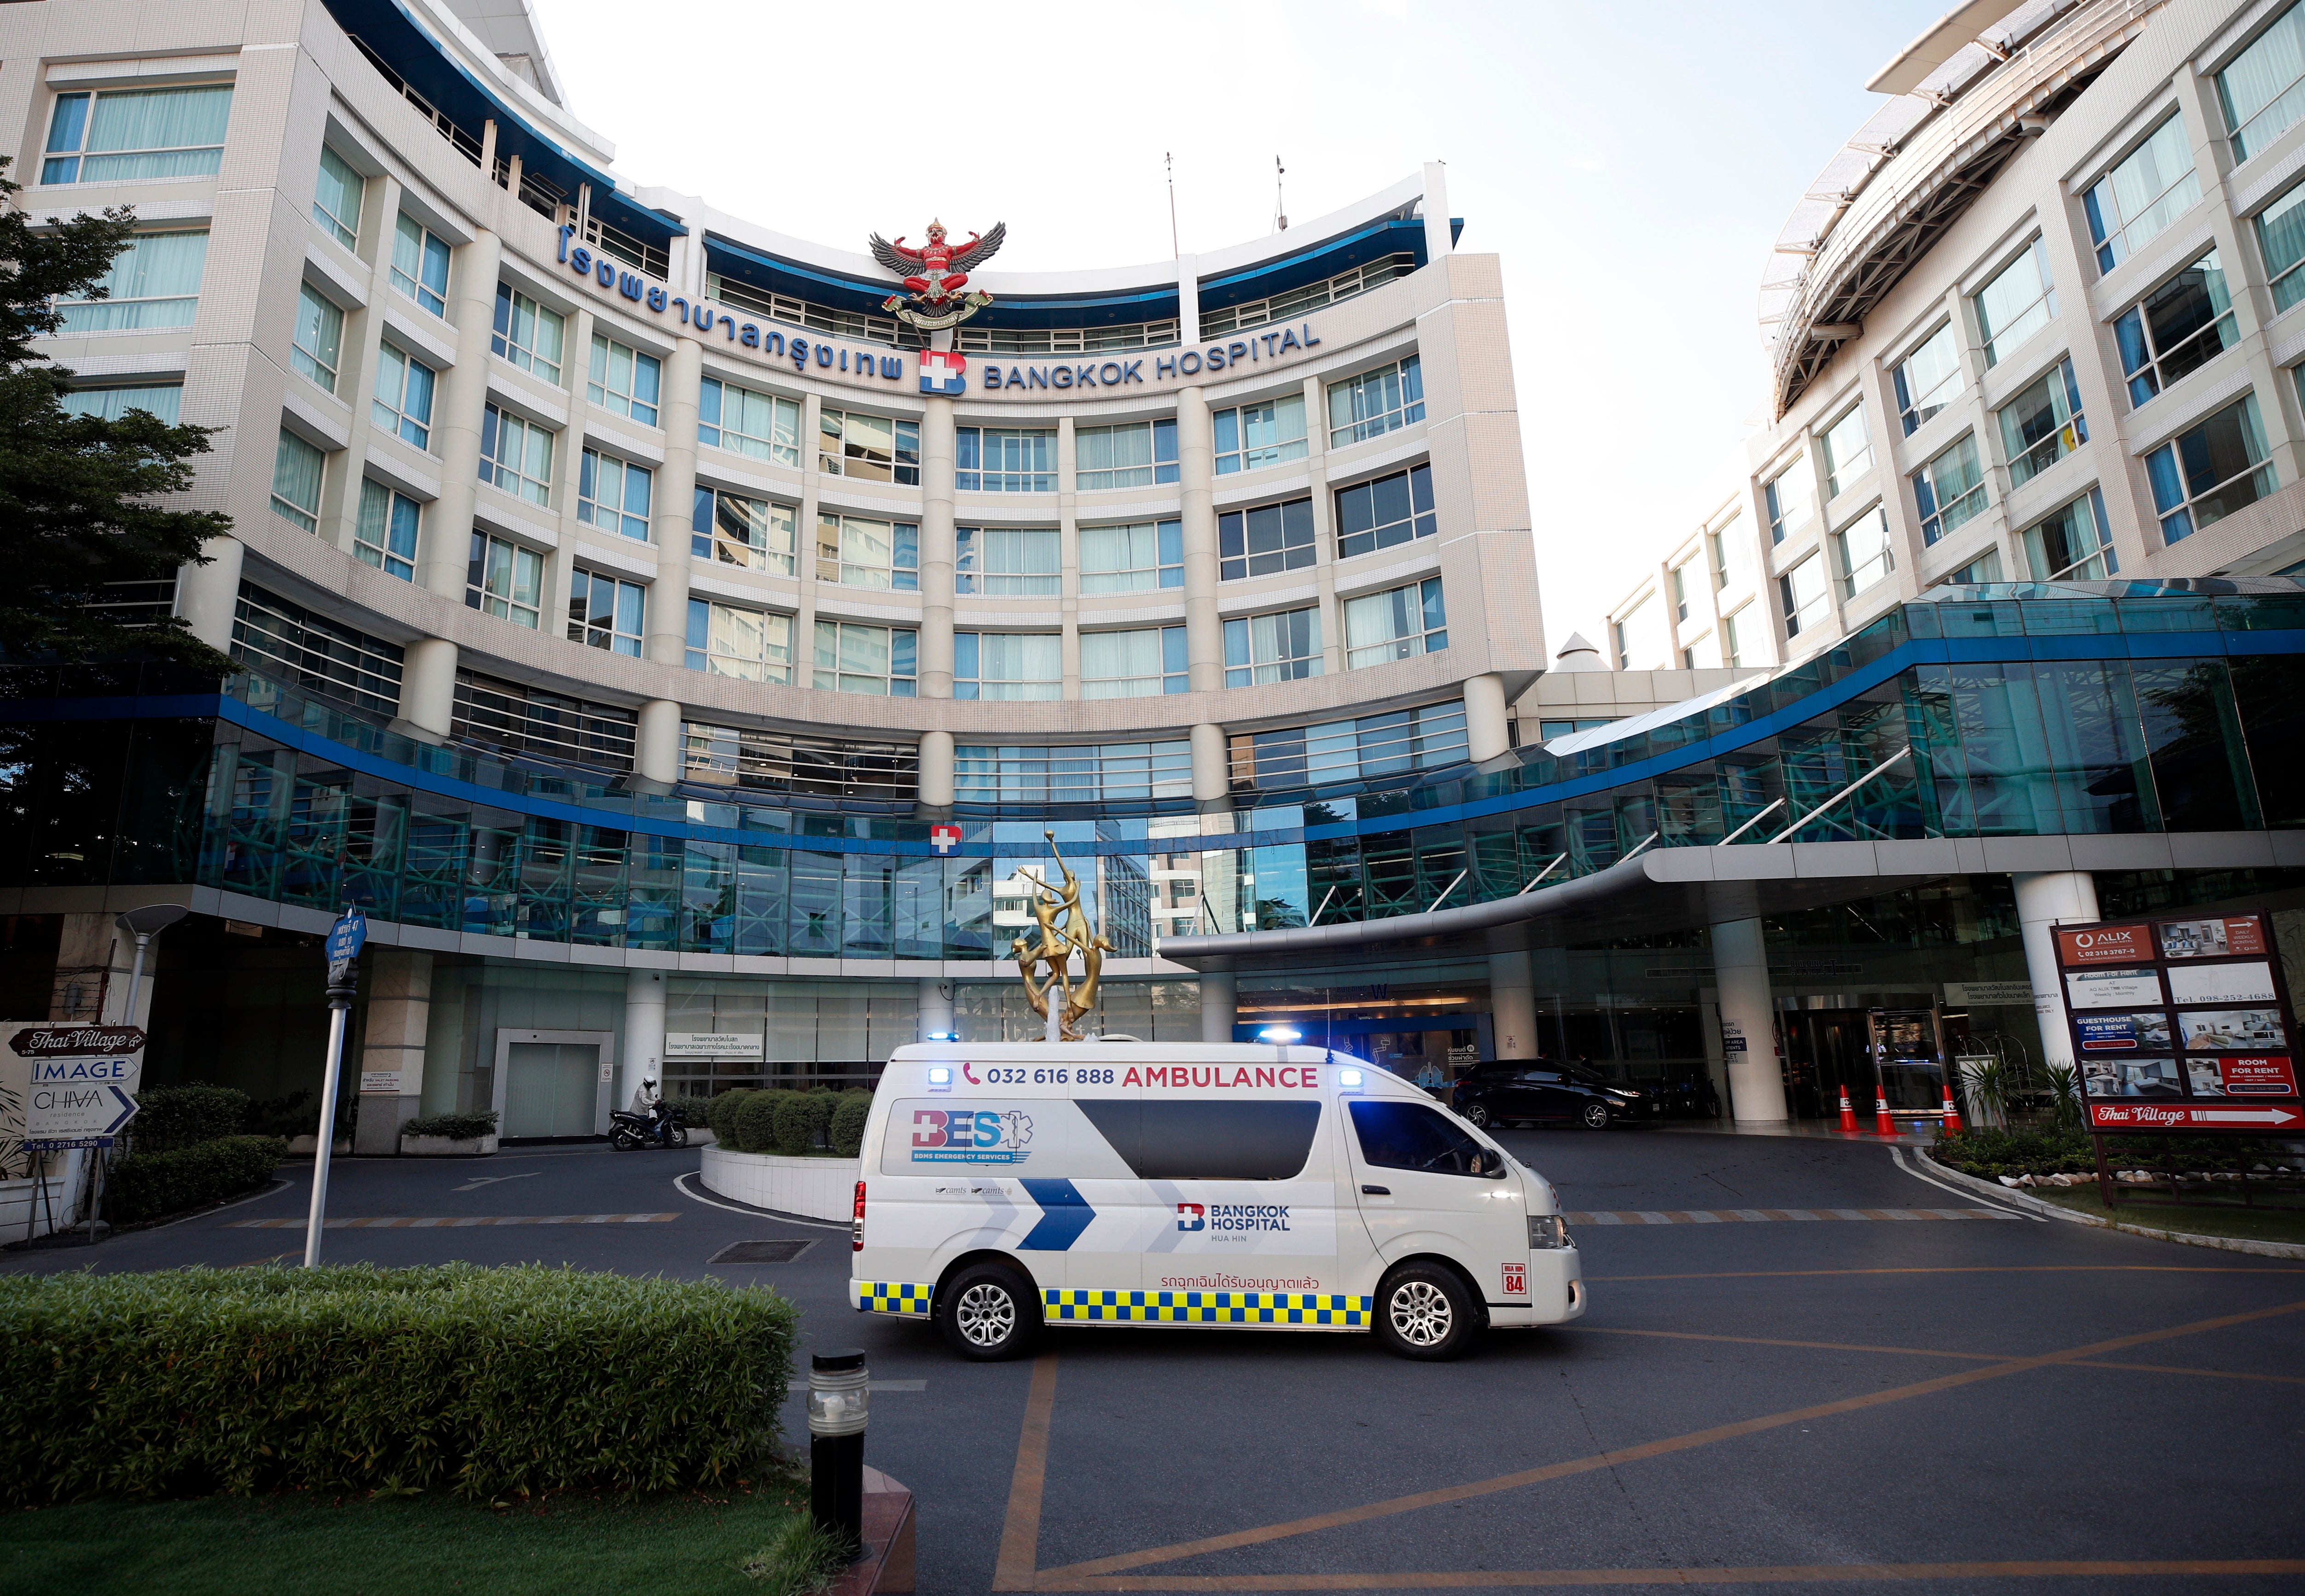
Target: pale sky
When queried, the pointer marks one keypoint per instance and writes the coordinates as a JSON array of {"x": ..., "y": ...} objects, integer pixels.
[{"x": 1631, "y": 164}]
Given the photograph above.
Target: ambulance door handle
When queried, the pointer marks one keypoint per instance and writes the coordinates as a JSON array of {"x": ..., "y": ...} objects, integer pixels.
[{"x": 1376, "y": 1191}]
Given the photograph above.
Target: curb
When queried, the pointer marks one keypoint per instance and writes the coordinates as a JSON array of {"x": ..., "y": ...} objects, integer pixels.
[{"x": 2018, "y": 1196}]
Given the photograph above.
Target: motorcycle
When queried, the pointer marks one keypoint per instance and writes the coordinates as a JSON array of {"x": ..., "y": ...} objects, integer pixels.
[{"x": 629, "y": 1132}]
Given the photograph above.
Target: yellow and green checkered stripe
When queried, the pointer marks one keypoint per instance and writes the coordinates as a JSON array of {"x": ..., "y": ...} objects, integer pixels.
[
  {"x": 1207, "y": 1307},
  {"x": 892, "y": 1296}
]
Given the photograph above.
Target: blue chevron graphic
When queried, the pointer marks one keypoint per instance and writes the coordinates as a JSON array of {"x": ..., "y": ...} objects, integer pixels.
[{"x": 1065, "y": 1213}]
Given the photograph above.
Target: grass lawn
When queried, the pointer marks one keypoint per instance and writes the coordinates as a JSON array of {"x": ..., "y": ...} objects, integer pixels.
[
  {"x": 307, "y": 1546},
  {"x": 2194, "y": 1218}
]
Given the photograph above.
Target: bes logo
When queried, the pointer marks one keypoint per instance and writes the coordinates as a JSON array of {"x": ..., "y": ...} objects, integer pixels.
[
  {"x": 1191, "y": 1216},
  {"x": 970, "y": 1137}
]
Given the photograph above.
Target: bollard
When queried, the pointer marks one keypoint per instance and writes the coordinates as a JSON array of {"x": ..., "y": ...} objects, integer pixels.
[
  {"x": 837, "y": 1386},
  {"x": 1952, "y": 1112},
  {"x": 1848, "y": 1114},
  {"x": 1882, "y": 1125}
]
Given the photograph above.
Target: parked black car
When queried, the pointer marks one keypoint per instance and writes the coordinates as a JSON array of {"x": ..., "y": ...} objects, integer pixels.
[{"x": 1544, "y": 1090}]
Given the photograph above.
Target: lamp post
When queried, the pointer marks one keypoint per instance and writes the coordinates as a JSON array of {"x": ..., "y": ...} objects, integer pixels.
[
  {"x": 838, "y": 1386},
  {"x": 144, "y": 924}
]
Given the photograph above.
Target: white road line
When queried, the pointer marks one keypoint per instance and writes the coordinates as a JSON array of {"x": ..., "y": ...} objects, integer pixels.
[
  {"x": 1898, "y": 1154},
  {"x": 679, "y": 1184}
]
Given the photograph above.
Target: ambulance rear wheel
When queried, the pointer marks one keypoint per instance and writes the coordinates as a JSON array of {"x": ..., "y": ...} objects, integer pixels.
[
  {"x": 1423, "y": 1311},
  {"x": 987, "y": 1313}
]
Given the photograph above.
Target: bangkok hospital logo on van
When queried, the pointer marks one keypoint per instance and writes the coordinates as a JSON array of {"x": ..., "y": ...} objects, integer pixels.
[
  {"x": 970, "y": 1137},
  {"x": 1232, "y": 1215}
]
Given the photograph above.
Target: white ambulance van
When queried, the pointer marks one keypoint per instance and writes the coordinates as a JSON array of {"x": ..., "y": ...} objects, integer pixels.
[{"x": 1006, "y": 1186}]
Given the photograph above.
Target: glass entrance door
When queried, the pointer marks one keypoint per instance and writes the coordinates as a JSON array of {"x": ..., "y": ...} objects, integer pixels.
[
  {"x": 1908, "y": 1048},
  {"x": 551, "y": 1089}
]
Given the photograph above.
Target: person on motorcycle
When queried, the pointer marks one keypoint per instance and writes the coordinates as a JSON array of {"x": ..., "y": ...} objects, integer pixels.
[{"x": 648, "y": 1102}]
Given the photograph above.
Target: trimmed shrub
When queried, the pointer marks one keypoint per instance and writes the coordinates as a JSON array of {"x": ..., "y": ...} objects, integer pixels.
[
  {"x": 144, "y": 1185},
  {"x": 796, "y": 1122},
  {"x": 462, "y": 1127},
  {"x": 694, "y": 1112},
  {"x": 169, "y": 1117},
  {"x": 487, "y": 1382},
  {"x": 721, "y": 1115},
  {"x": 297, "y": 1113},
  {"x": 756, "y": 1121},
  {"x": 849, "y": 1123}
]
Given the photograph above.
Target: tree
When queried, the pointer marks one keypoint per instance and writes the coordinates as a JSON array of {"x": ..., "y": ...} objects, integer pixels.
[{"x": 78, "y": 495}]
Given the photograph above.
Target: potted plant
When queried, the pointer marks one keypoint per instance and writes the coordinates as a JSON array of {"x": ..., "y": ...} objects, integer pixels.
[{"x": 450, "y": 1135}]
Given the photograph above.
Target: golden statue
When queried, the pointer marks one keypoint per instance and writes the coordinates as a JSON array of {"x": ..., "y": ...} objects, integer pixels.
[{"x": 1061, "y": 929}]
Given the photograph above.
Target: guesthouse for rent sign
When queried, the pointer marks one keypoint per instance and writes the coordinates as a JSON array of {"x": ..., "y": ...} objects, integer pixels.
[{"x": 2181, "y": 1025}]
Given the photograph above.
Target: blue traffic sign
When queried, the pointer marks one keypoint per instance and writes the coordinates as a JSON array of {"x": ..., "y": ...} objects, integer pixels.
[{"x": 345, "y": 936}]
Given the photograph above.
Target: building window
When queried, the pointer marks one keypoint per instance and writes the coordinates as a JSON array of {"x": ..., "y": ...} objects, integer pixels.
[
  {"x": 419, "y": 264},
  {"x": 1268, "y": 539},
  {"x": 731, "y": 529},
  {"x": 2207, "y": 472},
  {"x": 516, "y": 455},
  {"x": 870, "y": 448},
  {"x": 1791, "y": 498},
  {"x": 1397, "y": 625},
  {"x": 624, "y": 380},
  {"x": 531, "y": 336},
  {"x": 318, "y": 345},
  {"x": 1137, "y": 454},
  {"x": 130, "y": 135},
  {"x": 1004, "y": 459},
  {"x": 1081, "y": 773},
  {"x": 1281, "y": 646},
  {"x": 315, "y": 654},
  {"x": 1848, "y": 451},
  {"x": 1950, "y": 490},
  {"x": 505, "y": 579},
  {"x": 1724, "y": 550},
  {"x": 2263, "y": 92},
  {"x": 385, "y": 535},
  {"x": 739, "y": 420},
  {"x": 1928, "y": 379},
  {"x": 1376, "y": 403},
  {"x": 403, "y": 402},
  {"x": 1252, "y": 437},
  {"x": 296, "y": 470},
  {"x": 613, "y": 494},
  {"x": 1008, "y": 665},
  {"x": 337, "y": 198},
  {"x": 1391, "y": 510},
  {"x": 2017, "y": 303},
  {"x": 881, "y": 660},
  {"x": 1735, "y": 642},
  {"x": 158, "y": 399},
  {"x": 2133, "y": 203},
  {"x": 1142, "y": 557},
  {"x": 2043, "y": 425},
  {"x": 1678, "y": 579},
  {"x": 1985, "y": 568},
  {"x": 752, "y": 645},
  {"x": 1642, "y": 638},
  {"x": 1864, "y": 545},
  {"x": 1143, "y": 663},
  {"x": 782, "y": 763},
  {"x": 606, "y": 613},
  {"x": 552, "y": 726},
  {"x": 1807, "y": 600},
  {"x": 864, "y": 553},
  {"x": 2073, "y": 544},
  {"x": 2176, "y": 329},
  {"x": 153, "y": 282},
  {"x": 1006, "y": 562}
]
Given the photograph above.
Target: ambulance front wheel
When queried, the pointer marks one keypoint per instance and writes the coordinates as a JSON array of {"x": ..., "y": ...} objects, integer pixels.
[
  {"x": 989, "y": 1313},
  {"x": 1423, "y": 1311}
]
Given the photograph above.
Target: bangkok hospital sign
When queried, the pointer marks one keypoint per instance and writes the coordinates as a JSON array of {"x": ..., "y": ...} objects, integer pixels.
[{"x": 872, "y": 365}]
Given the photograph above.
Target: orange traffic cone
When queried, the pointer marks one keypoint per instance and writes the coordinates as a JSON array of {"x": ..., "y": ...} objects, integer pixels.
[
  {"x": 1952, "y": 1112},
  {"x": 1848, "y": 1114},
  {"x": 1882, "y": 1125}
]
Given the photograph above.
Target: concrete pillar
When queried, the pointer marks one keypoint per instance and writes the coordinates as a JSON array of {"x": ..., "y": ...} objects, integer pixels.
[
  {"x": 1219, "y": 1005},
  {"x": 444, "y": 554},
  {"x": 1188, "y": 299},
  {"x": 1212, "y": 767},
  {"x": 936, "y": 1007},
  {"x": 936, "y": 769},
  {"x": 1487, "y": 733},
  {"x": 669, "y": 523},
  {"x": 428, "y": 686},
  {"x": 91, "y": 973},
  {"x": 207, "y": 595},
  {"x": 1437, "y": 243},
  {"x": 1748, "y": 1037},
  {"x": 643, "y": 1058},
  {"x": 392, "y": 1050},
  {"x": 937, "y": 553},
  {"x": 2047, "y": 898},
  {"x": 656, "y": 752},
  {"x": 1196, "y": 477},
  {"x": 1512, "y": 1004}
]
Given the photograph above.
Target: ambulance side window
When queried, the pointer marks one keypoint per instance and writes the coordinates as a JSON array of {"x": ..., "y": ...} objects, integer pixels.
[
  {"x": 1416, "y": 1136},
  {"x": 1204, "y": 1139}
]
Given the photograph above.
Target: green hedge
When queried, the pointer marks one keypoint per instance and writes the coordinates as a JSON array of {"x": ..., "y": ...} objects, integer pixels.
[
  {"x": 169, "y": 1117},
  {"x": 487, "y": 1382},
  {"x": 801, "y": 1120},
  {"x": 462, "y": 1127},
  {"x": 849, "y": 1123},
  {"x": 721, "y": 1115},
  {"x": 144, "y": 1185}
]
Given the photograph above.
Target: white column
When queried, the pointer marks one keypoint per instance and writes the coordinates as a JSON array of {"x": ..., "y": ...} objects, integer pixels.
[
  {"x": 1513, "y": 1005},
  {"x": 669, "y": 523},
  {"x": 443, "y": 557},
  {"x": 1437, "y": 243},
  {"x": 1748, "y": 1037},
  {"x": 1188, "y": 299},
  {"x": 936, "y": 1007},
  {"x": 1196, "y": 477},
  {"x": 936, "y": 769},
  {"x": 1211, "y": 768},
  {"x": 428, "y": 686},
  {"x": 2044, "y": 899},
  {"x": 644, "y": 1056},
  {"x": 1220, "y": 1005},
  {"x": 937, "y": 448},
  {"x": 1486, "y": 733},
  {"x": 392, "y": 1048},
  {"x": 656, "y": 750},
  {"x": 206, "y": 594}
]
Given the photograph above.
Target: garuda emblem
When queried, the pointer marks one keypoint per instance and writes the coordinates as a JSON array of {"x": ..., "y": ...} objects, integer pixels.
[{"x": 935, "y": 275}]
